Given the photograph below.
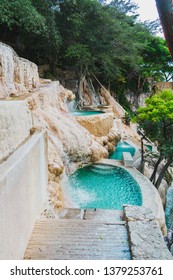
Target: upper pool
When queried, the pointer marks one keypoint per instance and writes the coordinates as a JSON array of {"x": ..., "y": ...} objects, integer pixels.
[
  {"x": 86, "y": 113},
  {"x": 103, "y": 186},
  {"x": 149, "y": 147},
  {"x": 121, "y": 147}
]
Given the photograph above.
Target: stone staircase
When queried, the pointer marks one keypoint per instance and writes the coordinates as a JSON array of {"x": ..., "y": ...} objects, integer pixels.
[{"x": 80, "y": 234}]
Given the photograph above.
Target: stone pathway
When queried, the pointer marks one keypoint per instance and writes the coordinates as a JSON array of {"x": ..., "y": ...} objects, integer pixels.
[{"x": 80, "y": 234}]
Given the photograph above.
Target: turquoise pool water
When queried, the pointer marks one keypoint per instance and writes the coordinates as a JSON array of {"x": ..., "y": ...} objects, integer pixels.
[
  {"x": 120, "y": 148},
  {"x": 103, "y": 186},
  {"x": 86, "y": 113},
  {"x": 149, "y": 147}
]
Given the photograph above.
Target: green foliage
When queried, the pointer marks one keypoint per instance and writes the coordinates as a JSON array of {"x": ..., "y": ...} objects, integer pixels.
[
  {"x": 45, "y": 8},
  {"x": 49, "y": 42},
  {"x": 157, "y": 121},
  {"x": 104, "y": 38},
  {"x": 79, "y": 55},
  {"x": 29, "y": 27},
  {"x": 51, "y": 76},
  {"x": 159, "y": 108},
  {"x": 124, "y": 6},
  {"x": 21, "y": 13},
  {"x": 113, "y": 39},
  {"x": 158, "y": 62}
]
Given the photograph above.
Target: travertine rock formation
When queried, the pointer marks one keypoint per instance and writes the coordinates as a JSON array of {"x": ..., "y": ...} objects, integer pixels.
[
  {"x": 68, "y": 141},
  {"x": 17, "y": 75},
  {"x": 116, "y": 107},
  {"x": 69, "y": 144},
  {"x": 98, "y": 125}
]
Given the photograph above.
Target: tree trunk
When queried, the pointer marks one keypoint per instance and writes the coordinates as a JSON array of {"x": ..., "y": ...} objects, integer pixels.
[
  {"x": 153, "y": 175},
  {"x": 80, "y": 92},
  {"x": 162, "y": 173},
  {"x": 141, "y": 168}
]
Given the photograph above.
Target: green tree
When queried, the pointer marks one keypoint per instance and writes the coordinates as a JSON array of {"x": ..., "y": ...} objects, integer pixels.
[
  {"x": 49, "y": 43},
  {"x": 156, "y": 65},
  {"x": 17, "y": 16},
  {"x": 113, "y": 40},
  {"x": 29, "y": 27},
  {"x": 21, "y": 14},
  {"x": 158, "y": 62},
  {"x": 104, "y": 38},
  {"x": 80, "y": 55},
  {"x": 156, "y": 119}
]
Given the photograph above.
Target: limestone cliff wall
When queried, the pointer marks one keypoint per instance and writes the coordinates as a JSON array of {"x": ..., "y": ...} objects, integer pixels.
[{"x": 17, "y": 75}]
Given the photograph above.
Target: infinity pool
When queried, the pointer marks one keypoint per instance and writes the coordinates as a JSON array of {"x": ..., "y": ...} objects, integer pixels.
[
  {"x": 103, "y": 186},
  {"x": 87, "y": 113}
]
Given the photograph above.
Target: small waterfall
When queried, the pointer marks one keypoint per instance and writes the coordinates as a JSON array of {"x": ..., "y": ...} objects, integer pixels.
[
  {"x": 67, "y": 196},
  {"x": 94, "y": 95},
  {"x": 169, "y": 208},
  {"x": 95, "y": 99},
  {"x": 72, "y": 105}
]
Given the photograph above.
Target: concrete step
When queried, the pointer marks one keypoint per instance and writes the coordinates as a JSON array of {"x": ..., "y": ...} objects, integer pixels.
[
  {"x": 69, "y": 239},
  {"x": 90, "y": 214}
]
